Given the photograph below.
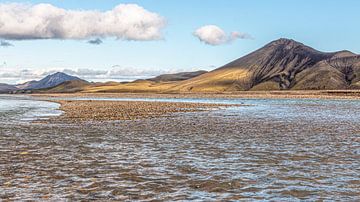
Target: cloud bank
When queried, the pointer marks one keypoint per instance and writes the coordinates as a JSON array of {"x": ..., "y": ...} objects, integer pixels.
[
  {"x": 115, "y": 73},
  {"x": 45, "y": 21},
  {"x": 214, "y": 35}
]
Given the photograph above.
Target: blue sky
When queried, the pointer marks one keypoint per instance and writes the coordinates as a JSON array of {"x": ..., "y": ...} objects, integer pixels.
[{"x": 327, "y": 25}]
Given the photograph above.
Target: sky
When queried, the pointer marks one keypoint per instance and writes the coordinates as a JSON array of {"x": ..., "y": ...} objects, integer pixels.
[{"x": 114, "y": 40}]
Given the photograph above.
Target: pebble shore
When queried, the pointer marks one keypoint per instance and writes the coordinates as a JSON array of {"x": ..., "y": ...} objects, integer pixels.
[{"x": 89, "y": 110}]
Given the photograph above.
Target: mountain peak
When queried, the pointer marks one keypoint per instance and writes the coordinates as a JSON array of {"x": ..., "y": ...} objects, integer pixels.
[
  {"x": 288, "y": 43},
  {"x": 285, "y": 40},
  {"x": 49, "y": 81},
  {"x": 58, "y": 74}
]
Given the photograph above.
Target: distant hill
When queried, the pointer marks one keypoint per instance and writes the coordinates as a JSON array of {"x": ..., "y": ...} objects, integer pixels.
[
  {"x": 5, "y": 88},
  {"x": 177, "y": 76},
  {"x": 139, "y": 86},
  {"x": 48, "y": 82},
  {"x": 70, "y": 84}
]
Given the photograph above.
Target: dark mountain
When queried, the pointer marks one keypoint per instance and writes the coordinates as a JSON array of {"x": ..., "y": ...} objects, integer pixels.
[
  {"x": 281, "y": 64},
  {"x": 177, "y": 76},
  {"x": 48, "y": 82}
]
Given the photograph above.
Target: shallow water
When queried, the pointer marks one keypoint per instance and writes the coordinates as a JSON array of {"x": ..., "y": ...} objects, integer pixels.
[
  {"x": 270, "y": 150},
  {"x": 16, "y": 109}
]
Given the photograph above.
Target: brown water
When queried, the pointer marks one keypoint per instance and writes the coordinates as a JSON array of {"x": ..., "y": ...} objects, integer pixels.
[{"x": 273, "y": 150}]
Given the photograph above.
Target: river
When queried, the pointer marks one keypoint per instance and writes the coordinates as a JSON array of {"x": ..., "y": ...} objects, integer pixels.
[{"x": 269, "y": 149}]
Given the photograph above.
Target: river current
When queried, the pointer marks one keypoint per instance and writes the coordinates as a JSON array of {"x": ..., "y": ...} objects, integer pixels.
[{"x": 269, "y": 149}]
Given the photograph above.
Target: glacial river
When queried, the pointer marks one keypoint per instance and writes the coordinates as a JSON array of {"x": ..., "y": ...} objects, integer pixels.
[
  {"x": 270, "y": 149},
  {"x": 16, "y": 109}
]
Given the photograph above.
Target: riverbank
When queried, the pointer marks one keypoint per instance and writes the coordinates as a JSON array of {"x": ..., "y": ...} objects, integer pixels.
[
  {"x": 90, "y": 110},
  {"x": 329, "y": 94}
]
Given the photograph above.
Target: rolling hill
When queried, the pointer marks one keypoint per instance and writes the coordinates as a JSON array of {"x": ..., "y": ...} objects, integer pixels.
[
  {"x": 177, "y": 76},
  {"x": 71, "y": 86},
  {"x": 5, "y": 88}
]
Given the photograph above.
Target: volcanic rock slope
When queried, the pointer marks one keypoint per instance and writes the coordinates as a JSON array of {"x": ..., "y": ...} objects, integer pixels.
[{"x": 283, "y": 64}]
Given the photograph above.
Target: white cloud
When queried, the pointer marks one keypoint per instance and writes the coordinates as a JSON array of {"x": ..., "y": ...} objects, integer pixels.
[
  {"x": 214, "y": 35},
  {"x": 45, "y": 21}
]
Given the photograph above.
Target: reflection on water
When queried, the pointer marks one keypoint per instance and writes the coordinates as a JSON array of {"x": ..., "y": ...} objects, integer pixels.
[{"x": 272, "y": 150}]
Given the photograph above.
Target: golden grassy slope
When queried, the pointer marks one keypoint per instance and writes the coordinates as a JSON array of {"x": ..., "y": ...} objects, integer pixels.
[
  {"x": 266, "y": 86},
  {"x": 132, "y": 87},
  {"x": 217, "y": 81}
]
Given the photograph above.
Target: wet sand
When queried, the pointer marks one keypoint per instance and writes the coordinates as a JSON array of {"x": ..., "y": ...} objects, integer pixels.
[{"x": 90, "y": 110}]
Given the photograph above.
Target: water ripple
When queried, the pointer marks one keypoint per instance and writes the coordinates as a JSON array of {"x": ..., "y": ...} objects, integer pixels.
[{"x": 280, "y": 150}]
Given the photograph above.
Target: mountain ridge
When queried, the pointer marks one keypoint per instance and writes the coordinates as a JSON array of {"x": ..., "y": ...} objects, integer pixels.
[
  {"x": 283, "y": 64},
  {"x": 276, "y": 66}
]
